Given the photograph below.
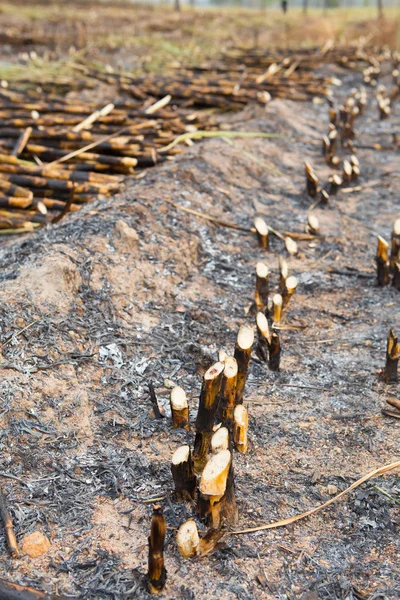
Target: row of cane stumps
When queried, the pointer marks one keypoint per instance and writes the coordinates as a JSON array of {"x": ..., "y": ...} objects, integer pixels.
[
  {"x": 205, "y": 477},
  {"x": 219, "y": 401},
  {"x": 212, "y": 459}
]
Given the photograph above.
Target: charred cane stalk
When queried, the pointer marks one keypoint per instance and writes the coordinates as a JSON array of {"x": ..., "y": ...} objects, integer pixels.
[
  {"x": 244, "y": 344},
  {"x": 396, "y": 276},
  {"x": 190, "y": 544},
  {"x": 262, "y": 232},
  {"x": 312, "y": 226},
  {"x": 220, "y": 440},
  {"x": 208, "y": 405},
  {"x": 311, "y": 180},
  {"x": 392, "y": 358},
  {"x": 157, "y": 574},
  {"x": 290, "y": 288},
  {"x": 283, "y": 273},
  {"x": 268, "y": 347},
  {"x": 227, "y": 398},
  {"x": 8, "y": 527},
  {"x": 21, "y": 141},
  {"x": 216, "y": 502},
  {"x": 183, "y": 473},
  {"x": 291, "y": 246},
  {"x": 274, "y": 352},
  {"x": 240, "y": 427},
  {"x": 179, "y": 408},
  {"x": 187, "y": 539},
  {"x": 261, "y": 294},
  {"x": 277, "y": 303},
  {"x": 263, "y": 337},
  {"x": 335, "y": 181},
  {"x": 382, "y": 263},
  {"x": 395, "y": 249}
]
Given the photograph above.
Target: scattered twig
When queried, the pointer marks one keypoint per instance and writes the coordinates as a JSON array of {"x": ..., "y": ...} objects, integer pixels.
[
  {"x": 103, "y": 139},
  {"x": 196, "y": 135},
  {"x": 208, "y": 217},
  {"x": 284, "y": 522},
  {"x": 13, "y": 591}
]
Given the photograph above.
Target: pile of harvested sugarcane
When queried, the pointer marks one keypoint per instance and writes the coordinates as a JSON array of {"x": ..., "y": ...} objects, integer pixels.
[
  {"x": 308, "y": 59},
  {"x": 58, "y": 151},
  {"x": 223, "y": 87},
  {"x": 57, "y": 154}
]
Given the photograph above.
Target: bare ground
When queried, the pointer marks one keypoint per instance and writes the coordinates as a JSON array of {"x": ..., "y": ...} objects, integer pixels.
[{"x": 80, "y": 451}]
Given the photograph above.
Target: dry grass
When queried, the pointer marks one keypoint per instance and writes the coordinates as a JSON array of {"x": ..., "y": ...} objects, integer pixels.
[{"x": 137, "y": 37}]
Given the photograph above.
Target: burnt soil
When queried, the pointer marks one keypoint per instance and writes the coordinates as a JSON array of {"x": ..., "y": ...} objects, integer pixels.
[{"x": 82, "y": 456}]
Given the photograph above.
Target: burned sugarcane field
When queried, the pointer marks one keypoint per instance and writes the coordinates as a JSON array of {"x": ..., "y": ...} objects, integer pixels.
[{"x": 199, "y": 300}]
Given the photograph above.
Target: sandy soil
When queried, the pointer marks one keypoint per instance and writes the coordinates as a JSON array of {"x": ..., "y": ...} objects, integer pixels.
[{"x": 81, "y": 455}]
